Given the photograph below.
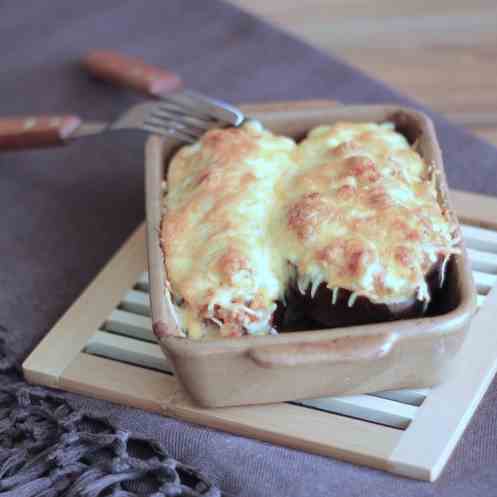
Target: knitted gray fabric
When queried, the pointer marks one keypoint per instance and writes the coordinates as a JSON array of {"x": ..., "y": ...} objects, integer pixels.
[{"x": 49, "y": 449}]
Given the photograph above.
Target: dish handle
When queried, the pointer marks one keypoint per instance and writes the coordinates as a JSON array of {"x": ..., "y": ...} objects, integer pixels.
[{"x": 338, "y": 350}]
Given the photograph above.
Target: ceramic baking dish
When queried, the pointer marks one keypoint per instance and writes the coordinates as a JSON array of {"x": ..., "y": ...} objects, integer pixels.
[{"x": 410, "y": 353}]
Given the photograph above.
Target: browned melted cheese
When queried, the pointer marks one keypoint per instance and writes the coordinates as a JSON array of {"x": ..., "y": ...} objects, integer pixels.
[
  {"x": 221, "y": 259},
  {"x": 352, "y": 205},
  {"x": 362, "y": 214}
]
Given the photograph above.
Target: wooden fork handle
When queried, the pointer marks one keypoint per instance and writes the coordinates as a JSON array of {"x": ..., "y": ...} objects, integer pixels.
[
  {"x": 17, "y": 133},
  {"x": 130, "y": 72}
]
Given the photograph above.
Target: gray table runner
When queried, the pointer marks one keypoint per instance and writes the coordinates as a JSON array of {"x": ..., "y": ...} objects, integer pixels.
[{"x": 65, "y": 212}]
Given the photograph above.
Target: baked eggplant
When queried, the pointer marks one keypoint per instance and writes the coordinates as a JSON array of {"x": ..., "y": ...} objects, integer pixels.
[
  {"x": 226, "y": 277},
  {"x": 366, "y": 234},
  {"x": 262, "y": 234},
  {"x": 331, "y": 309}
]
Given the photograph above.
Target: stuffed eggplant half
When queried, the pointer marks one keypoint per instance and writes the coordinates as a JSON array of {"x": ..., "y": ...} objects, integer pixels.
[{"x": 345, "y": 226}]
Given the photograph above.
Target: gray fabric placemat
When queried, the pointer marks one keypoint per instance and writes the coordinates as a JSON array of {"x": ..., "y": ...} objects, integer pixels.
[{"x": 65, "y": 212}]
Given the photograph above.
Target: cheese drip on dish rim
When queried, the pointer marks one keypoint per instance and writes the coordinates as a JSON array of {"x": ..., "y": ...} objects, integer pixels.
[{"x": 248, "y": 213}]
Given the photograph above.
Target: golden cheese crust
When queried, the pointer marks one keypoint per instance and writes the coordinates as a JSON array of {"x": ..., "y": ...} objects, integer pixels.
[
  {"x": 220, "y": 256},
  {"x": 363, "y": 214},
  {"x": 247, "y": 213}
]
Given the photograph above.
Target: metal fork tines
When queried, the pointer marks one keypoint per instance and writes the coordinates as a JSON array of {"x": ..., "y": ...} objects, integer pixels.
[{"x": 187, "y": 115}]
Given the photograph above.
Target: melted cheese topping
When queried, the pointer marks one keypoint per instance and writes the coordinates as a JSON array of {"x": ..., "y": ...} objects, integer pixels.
[
  {"x": 221, "y": 259},
  {"x": 248, "y": 212},
  {"x": 362, "y": 214}
]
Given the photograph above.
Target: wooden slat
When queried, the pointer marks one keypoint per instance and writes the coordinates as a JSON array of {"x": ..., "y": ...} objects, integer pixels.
[
  {"x": 413, "y": 396},
  {"x": 367, "y": 407},
  {"x": 142, "y": 282},
  {"x": 137, "y": 302},
  {"x": 284, "y": 424},
  {"x": 485, "y": 262},
  {"x": 58, "y": 349},
  {"x": 452, "y": 402},
  {"x": 129, "y": 324},
  {"x": 484, "y": 281},
  {"x": 481, "y": 239},
  {"x": 128, "y": 350},
  {"x": 118, "y": 382}
]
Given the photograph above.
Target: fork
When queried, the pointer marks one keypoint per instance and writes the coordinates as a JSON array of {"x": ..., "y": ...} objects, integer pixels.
[
  {"x": 183, "y": 115},
  {"x": 154, "y": 81}
]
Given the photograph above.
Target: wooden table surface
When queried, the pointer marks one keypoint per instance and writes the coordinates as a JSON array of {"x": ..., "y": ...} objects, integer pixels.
[{"x": 443, "y": 53}]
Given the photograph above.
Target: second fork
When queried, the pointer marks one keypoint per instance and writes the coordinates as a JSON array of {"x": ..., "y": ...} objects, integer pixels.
[{"x": 183, "y": 115}]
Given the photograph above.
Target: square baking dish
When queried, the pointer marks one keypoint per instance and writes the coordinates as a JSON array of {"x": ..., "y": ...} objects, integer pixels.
[{"x": 411, "y": 353}]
